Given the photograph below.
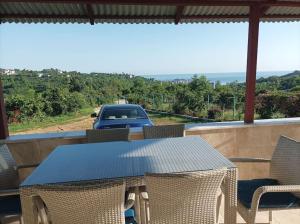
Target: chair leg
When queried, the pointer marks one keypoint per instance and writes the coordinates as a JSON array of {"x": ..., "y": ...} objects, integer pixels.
[
  {"x": 144, "y": 204},
  {"x": 219, "y": 200},
  {"x": 270, "y": 217},
  {"x": 253, "y": 219},
  {"x": 137, "y": 207},
  {"x": 143, "y": 207},
  {"x": 41, "y": 211},
  {"x": 147, "y": 212}
]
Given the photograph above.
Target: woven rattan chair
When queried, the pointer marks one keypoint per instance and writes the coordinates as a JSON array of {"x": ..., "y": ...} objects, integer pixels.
[
  {"x": 88, "y": 203},
  {"x": 164, "y": 131},
  {"x": 182, "y": 198},
  {"x": 278, "y": 192},
  {"x": 107, "y": 135},
  {"x": 9, "y": 193},
  {"x": 10, "y": 207}
]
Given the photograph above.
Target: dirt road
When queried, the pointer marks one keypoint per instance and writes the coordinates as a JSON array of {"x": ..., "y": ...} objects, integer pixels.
[
  {"x": 86, "y": 122},
  {"x": 82, "y": 123}
]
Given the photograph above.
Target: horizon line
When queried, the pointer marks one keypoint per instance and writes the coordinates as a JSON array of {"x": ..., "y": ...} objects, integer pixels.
[{"x": 156, "y": 74}]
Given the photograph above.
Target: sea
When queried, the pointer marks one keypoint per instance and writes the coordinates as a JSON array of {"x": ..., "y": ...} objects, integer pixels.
[{"x": 224, "y": 78}]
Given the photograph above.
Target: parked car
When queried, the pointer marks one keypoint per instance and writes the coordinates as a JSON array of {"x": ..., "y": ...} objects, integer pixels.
[{"x": 121, "y": 116}]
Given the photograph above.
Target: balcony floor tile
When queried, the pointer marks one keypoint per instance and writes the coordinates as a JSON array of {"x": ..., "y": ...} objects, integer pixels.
[{"x": 279, "y": 217}]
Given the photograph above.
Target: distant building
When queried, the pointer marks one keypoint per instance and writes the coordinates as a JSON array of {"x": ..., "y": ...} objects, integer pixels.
[
  {"x": 181, "y": 81},
  {"x": 8, "y": 72},
  {"x": 213, "y": 84}
]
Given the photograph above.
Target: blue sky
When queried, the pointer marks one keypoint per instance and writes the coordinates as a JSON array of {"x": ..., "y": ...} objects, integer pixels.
[{"x": 147, "y": 49}]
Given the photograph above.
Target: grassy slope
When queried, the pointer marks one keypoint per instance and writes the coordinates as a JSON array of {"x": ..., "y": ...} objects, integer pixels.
[
  {"x": 158, "y": 119},
  {"x": 82, "y": 114},
  {"x": 50, "y": 121}
]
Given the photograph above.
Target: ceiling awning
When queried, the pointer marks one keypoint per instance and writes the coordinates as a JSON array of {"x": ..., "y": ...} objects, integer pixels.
[{"x": 144, "y": 11}]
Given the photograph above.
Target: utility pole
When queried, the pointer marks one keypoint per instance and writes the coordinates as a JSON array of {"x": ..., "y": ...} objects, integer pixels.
[
  {"x": 208, "y": 101},
  {"x": 153, "y": 101},
  {"x": 234, "y": 106}
]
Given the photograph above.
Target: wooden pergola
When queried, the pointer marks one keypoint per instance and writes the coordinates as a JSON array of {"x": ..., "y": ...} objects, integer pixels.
[{"x": 155, "y": 11}]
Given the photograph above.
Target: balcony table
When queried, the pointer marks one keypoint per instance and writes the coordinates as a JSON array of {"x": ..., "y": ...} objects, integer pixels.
[{"x": 129, "y": 161}]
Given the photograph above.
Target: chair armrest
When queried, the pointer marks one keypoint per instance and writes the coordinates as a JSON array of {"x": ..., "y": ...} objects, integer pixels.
[
  {"x": 249, "y": 160},
  {"x": 9, "y": 192},
  {"x": 26, "y": 166},
  {"x": 130, "y": 200},
  {"x": 277, "y": 188},
  {"x": 267, "y": 189}
]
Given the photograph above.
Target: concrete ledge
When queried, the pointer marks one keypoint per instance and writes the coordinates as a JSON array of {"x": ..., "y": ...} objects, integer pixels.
[
  {"x": 138, "y": 131},
  {"x": 241, "y": 124},
  {"x": 56, "y": 135},
  {"x": 41, "y": 136}
]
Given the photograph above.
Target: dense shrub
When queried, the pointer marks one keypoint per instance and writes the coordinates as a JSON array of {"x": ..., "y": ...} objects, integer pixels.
[
  {"x": 56, "y": 101},
  {"x": 214, "y": 113},
  {"x": 290, "y": 106},
  {"x": 268, "y": 104},
  {"x": 20, "y": 108},
  {"x": 75, "y": 101},
  {"x": 265, "y": 105},
  {"x": 34, "y": 95}
]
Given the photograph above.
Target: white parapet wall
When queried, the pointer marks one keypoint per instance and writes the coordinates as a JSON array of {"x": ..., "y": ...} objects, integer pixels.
[{"x": 232, "y": 139}]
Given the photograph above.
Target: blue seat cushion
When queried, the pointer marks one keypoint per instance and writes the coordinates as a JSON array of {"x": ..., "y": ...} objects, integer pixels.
[
  {"x": 246, "y": 189},
  {"x": 10, "y": 205},
  {"x": 129, "y": 217},
  {"x": 129, "y": 213}
]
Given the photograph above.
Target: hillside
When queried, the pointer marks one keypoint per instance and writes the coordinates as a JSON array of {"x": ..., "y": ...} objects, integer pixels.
[
  {"x": 286, "y": 82},
  {"x": 48, "y": 96},
  {"x": 293, "y": 74}
]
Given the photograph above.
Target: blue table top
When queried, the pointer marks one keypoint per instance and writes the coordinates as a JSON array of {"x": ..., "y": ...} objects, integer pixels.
[{"x": 110, "y": 160}]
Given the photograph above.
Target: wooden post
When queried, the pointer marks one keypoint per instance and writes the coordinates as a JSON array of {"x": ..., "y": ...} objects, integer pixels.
[
  {"x": 255, "y": 13},
  {"x": 3, "y": 118}
]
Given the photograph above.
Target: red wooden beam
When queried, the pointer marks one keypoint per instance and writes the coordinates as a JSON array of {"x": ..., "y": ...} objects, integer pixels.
[
  {"x": 263, "y": 10},
  {"x": 179, "y": 13},
  {"x": 255, "y": 13},
  {"x": 103, "y": 17},
  {"x": 170, "y": 2},
  {"x": 90, "y": 13},
  {"x": 274, "y": 16},
  {"x": 3, "y": 119}
]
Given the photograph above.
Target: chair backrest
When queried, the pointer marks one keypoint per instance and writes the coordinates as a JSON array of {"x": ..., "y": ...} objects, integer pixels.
[
  {"x": 184, "y": 198},
  {"x": 9, "y": 178},
  {"x": 285, "y": 163},
  {"x": 107, "y": 135},
  {"x": 97, "y": 203},
  {"x": 163, "y": 131}
]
